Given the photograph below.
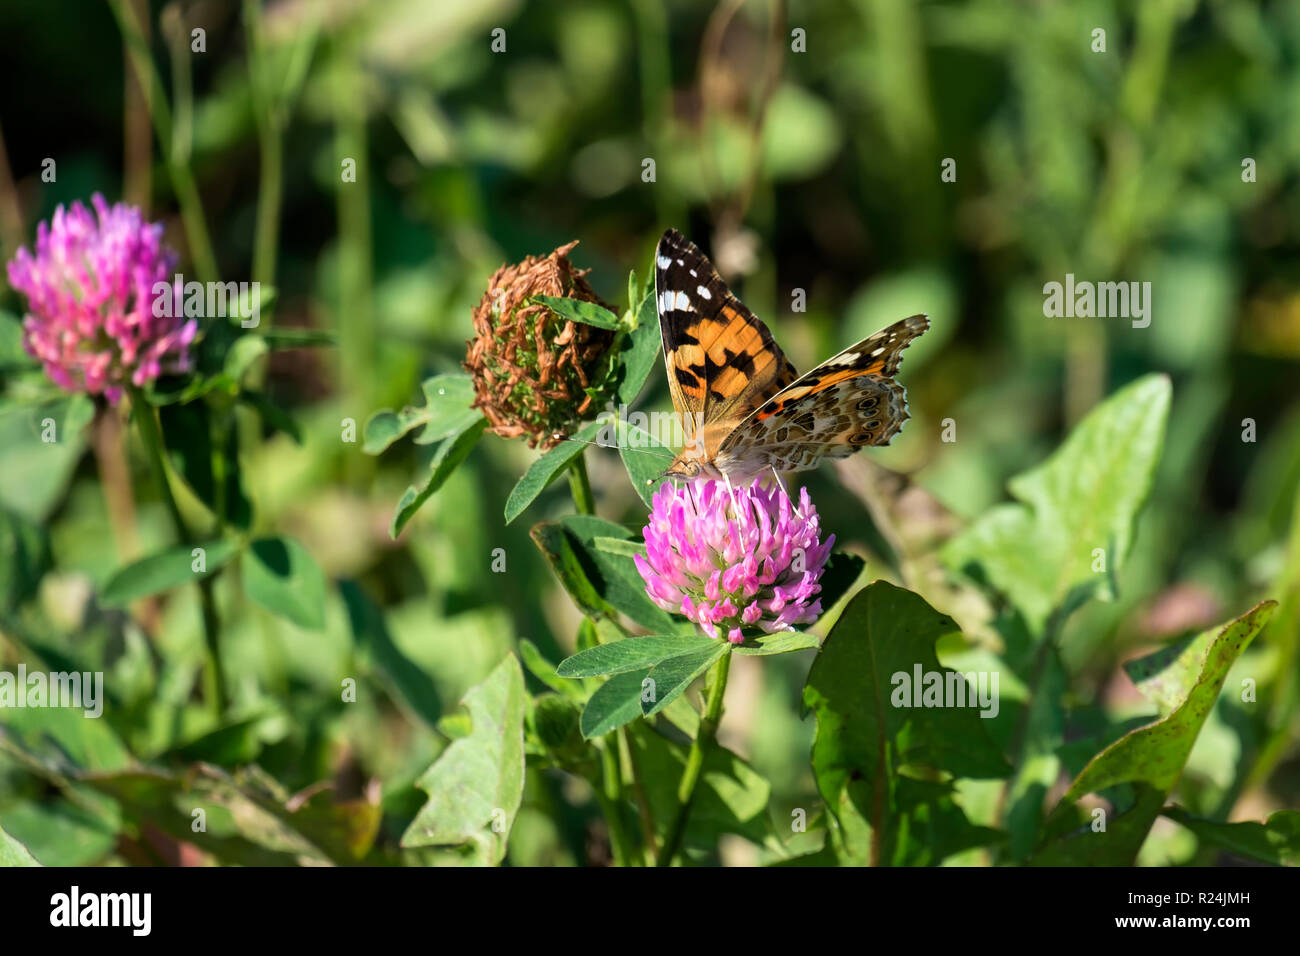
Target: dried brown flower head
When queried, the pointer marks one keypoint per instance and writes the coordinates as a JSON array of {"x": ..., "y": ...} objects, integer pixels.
[{"x": 535, "y": 372}]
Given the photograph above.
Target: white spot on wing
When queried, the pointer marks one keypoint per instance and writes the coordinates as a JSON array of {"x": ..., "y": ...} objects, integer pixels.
[
  {"x": 663, "y": 261},
  {"x": 704, "y": 293}
]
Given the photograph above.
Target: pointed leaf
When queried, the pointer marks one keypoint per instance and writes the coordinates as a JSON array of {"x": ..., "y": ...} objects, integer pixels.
[
  {"x": 546, "y": 469},
  {"x": 634, "y": 653},
  {"x": 1150, "y": 758},
  {"x": 476, "y": 784},
  {"x": 451, "y": 453},
  {"x": 166, "y": 570},
  {"x": 1070, "y": 535},
  {"x": 283, "y": 578}
]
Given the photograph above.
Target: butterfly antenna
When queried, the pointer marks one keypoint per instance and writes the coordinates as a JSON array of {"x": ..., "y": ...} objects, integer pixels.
[{"x": 640, "y": 451}]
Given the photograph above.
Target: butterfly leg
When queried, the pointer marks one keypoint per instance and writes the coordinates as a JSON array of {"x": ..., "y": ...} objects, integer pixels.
[{"x": 781, "y": 484}]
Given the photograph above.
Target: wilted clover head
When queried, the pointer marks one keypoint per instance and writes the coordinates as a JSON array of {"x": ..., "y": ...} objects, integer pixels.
[{"x": 536, "y": 372}]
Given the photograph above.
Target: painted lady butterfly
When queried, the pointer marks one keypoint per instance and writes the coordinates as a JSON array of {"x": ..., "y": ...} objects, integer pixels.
[{"x": 744, "y": 408}]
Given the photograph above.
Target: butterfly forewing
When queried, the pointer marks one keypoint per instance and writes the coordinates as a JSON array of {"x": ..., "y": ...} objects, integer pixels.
[{"x": 722, "y": 361}]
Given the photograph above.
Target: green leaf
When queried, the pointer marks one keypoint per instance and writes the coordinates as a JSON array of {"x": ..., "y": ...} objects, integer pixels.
[
  {"x": 870, "y": 725},
  {"x": 1042, "y": 552},
  {"x": 546, "y": 469},
  {"x": 841, "y": 573},
  {"x": 187, "y": 433},
  {"x": 13, "y": 853},
  {"x": 639, "y": 352},
  {"x": 536, "y": 664},
  {"x": 1276, "y": 840},
  {"x": 245, "y": 350},
  {"x": 166, "y": 570},
  {"x": 621, "y": 546},
  {"x": 730, "y": 797},
  {"x": 673, "y": 675},
  {"x": 272, "y": 414},
  {"x": 781, "y": 643},
  {"x": 24, "y": 558},
  {"x": 477, "y": 783},
  {"x": 576, "y": 310},
  {"x": 631, "y": 654},
  {"x": 644, "y": 457},
  {"x": 448, "y": 458},
  {"x": 616, "y": 574},
  {"x": 1150, "y": 758},
  {"x": 282, "y": 577},
  {"x": 446, "y": 412},
  {"x": 614, "y": 703},
  {"x": 410, "y": 684},
  {"x": 42, "y": 444},
  {"x": 601, "y": 583}
]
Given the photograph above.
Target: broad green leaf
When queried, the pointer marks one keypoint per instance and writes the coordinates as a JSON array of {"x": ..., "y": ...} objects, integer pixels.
[
  {"x": 1150, "y": 758},
  {"x": 410, "y": 684},
  {"x": 614, "y": 703},
  {"x": 546, "y": 469},
  {"x": 673, "y": 675},
  {"x": 782, "y": 642},
  {"x": 448, "y": 458},
  {"x": 476, "y": 784},
  {"x": 576, "y": 310},
  {"x": 446, "y": 412},
  {"x": 1276, "y": 840},
  {"x": 631, "y": 654},
  {"x": 867, "y": 689},
  {"x": 42, "y": 445},
  {"x": 282, "y": 577},
  {"x": 639, "y": 352},
  {"x": 13, "y": 853},
  {"x": 731, "y": 796},
  {"x": 166, "y": 570},
  {"x": 1070, "y": 534}
]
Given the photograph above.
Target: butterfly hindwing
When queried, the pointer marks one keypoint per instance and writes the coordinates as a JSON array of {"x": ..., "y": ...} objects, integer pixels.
[
  {"x": 848, "y": 402},
  {"x": 722, "y": 361}
]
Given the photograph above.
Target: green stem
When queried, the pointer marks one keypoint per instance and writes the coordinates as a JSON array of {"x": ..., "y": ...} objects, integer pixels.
[
  {"x": 611, "y": 800},
  {"x": 151, "y": 435},
  {"x": 580, "y": 485},
  {"x": 695, "y": 760},
  {"x": 187, "y": 193}
]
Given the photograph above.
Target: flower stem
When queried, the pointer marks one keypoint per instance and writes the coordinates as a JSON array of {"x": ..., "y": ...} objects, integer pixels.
[
  {"x": 695, "y": 759},
  {"x": 151, "y": 435},
  {"x": 580, "y": 484}
]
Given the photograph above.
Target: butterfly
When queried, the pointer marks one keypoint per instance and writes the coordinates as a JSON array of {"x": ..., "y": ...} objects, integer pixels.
[{"x": 743, "y": 407}]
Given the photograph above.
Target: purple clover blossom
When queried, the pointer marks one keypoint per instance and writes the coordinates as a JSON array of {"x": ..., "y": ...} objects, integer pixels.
[
  {"x": 731, "y": 563},
  {"x": 90, "y": 291}
]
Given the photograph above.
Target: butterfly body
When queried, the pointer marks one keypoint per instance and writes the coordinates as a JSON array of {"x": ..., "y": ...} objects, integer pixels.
[{"x": 744, "y": 408}]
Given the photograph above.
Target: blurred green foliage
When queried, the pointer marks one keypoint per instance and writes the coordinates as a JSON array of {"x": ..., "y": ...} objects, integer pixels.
[{"x": 814, "y": 172}]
